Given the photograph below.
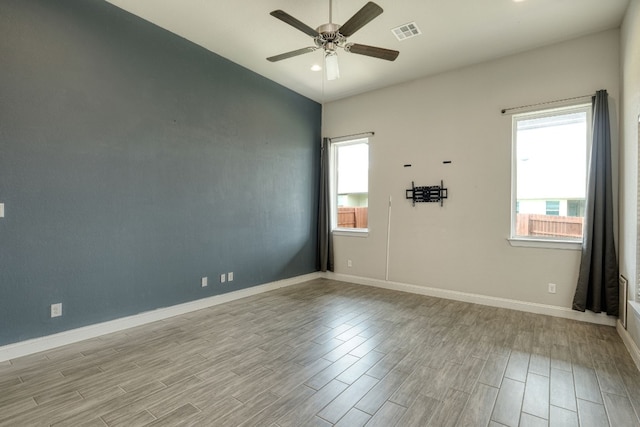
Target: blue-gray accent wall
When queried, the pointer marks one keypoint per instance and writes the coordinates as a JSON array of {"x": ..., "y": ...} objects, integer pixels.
[{"x": 133, "y": 163}]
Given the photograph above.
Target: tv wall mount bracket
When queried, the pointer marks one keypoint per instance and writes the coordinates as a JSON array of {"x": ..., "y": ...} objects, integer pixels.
[{"x": 426, "y": 194}]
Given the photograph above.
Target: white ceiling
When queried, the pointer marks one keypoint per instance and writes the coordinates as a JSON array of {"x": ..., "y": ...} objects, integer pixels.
[{"x": 455, "y": 33}]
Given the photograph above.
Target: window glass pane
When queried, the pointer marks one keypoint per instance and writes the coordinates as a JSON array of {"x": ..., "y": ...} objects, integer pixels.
[
  {"x": 550, "y": 158},
  {"x": 353, "y": 169}
]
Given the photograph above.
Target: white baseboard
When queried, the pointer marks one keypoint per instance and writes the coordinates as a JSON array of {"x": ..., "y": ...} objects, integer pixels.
[
  {"x": 23, "y": 348},
  {"x": 550, "y": 310},
  {"x": 49, "y": 342},
  {"x": 634, "y": 351}
]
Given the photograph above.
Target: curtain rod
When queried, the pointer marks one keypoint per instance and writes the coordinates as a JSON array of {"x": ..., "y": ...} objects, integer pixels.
[
  {"x": 352, "y": 136},
  {"x": 504, "y": 110}
]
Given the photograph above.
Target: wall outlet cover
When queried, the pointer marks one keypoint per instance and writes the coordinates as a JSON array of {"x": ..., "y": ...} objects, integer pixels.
[
  {"x": 204, "y": 282},
  {"x": 56, "y": 309},
  {"x": 223, "y": 278},
  {"x": 230, "y": 276}
]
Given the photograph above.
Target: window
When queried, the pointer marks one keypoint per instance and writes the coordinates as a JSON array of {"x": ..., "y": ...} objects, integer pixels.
[
  {"x": 350, "y": 184},
  {"x": 553, "y": 207},
  {"x": 550, "y": 173},
  {"x": 575, "y": 208}
]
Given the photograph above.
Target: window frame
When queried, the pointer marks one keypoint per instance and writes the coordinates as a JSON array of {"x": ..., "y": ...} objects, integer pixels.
[
  {"x": 333, "y": 185},
  {"x": 541, "y": 241}
]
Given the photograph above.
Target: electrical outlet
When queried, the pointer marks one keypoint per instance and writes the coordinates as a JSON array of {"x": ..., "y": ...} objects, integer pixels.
[
  {"x": 204, "y": 282},
  {"x": 56, "y": 310},
  {"x": 552, "y": 288},
  {"x": 230, "y": 276},
  {"x": 223, "y": 278},
  {"x": 1, "y": 210},
  {"x": 349, "y": 263}
]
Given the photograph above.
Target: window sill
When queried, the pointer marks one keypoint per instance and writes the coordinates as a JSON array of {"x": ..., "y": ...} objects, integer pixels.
[
  {"x": 635, "y": 306},
  {"x": 545, "y": 244},
  {"x": 351, "y": 232}
]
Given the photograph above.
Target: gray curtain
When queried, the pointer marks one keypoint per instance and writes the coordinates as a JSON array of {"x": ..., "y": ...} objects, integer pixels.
[
  {"x": 325, "y": 240},
  {"x": 597, "y": 288}
]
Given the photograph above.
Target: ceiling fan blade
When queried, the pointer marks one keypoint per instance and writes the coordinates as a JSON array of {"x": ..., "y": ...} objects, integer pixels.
[
  {"x": 285, "y": 17},
  {"x": 362, "y": 17},
  {"x": 376, "y": 52},
  {"x": 291, "y": 54}
]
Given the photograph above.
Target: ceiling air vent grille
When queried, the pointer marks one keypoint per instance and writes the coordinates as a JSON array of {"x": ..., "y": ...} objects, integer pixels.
[{"x": 406, "y": 31}]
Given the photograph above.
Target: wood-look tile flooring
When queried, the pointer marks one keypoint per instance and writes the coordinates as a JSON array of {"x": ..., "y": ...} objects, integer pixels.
[{"x": 330, "y": 353}]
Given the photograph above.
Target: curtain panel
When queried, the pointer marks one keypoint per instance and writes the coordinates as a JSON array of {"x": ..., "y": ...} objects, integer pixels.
[
  {"x": 597, "y": 288},
  {"x": 325, "y": 239}
]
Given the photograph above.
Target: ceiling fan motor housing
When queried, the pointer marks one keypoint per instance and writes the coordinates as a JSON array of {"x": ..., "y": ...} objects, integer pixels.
[{"x": 329, "y": 36}]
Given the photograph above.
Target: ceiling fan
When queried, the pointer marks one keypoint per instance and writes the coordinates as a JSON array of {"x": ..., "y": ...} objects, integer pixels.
[{"x": 331, "y": 36}]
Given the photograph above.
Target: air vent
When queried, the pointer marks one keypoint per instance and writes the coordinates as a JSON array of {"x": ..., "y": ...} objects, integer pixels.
[{"x": 406, "y": 31}]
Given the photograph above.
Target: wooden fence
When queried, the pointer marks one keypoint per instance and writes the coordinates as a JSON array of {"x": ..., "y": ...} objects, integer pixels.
[
  {"x": 349, "y": 217},
  {"x": 548, "y": 226},
  {"x": 526, "y": 224}
]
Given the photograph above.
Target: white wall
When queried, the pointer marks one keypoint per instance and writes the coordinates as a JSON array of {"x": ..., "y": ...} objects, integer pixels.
[
  {"x": 456, "y": 116},
  {"x": 630, "y": 60}
]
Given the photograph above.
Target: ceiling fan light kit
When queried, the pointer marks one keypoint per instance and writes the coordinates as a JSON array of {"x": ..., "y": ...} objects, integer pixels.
[
  {"x": 331, "y": 36},
  {"x": 331, "y": 65}
]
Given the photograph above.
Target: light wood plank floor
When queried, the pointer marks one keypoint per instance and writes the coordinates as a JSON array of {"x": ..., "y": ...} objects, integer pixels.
[{"x": 330, "y": 353}]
